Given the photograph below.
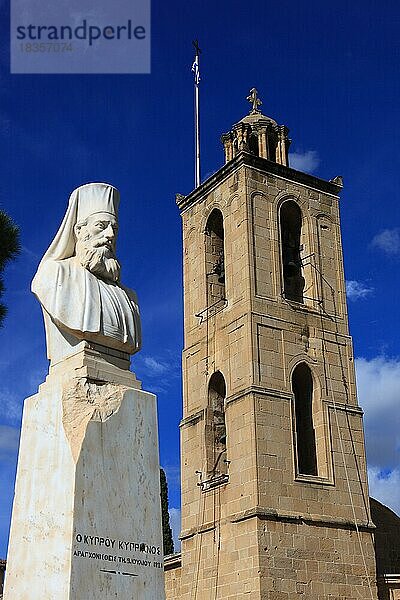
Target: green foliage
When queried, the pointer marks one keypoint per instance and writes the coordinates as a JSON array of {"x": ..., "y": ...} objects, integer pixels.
[
  {"x": 9, "y": 249},
  {"x": 167, "y": 531}
]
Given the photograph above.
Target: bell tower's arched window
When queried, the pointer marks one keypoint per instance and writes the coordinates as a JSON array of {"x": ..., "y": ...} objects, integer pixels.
[
  {"x": 215, "y": 426},
  {"x": 290, "y": 226},
  {"x": 302, "y": 385},
  {"x": 215, "y": 258}
]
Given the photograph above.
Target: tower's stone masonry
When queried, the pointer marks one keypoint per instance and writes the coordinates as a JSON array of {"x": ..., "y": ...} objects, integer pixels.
[{"x": 281, "y": 508}]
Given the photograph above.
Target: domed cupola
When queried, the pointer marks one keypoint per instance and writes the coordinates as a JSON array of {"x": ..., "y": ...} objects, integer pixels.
[{"x": 257, "y": 134}]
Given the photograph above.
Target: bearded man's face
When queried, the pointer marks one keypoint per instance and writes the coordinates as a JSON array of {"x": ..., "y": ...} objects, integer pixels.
[{"x": 95, "y": 246}]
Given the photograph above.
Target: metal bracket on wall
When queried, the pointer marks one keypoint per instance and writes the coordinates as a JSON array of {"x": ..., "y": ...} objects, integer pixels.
[{"x": 212, "y": 310}]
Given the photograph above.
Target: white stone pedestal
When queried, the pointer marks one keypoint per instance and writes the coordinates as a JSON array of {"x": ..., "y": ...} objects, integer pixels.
[{"x": 86, "y": 521}]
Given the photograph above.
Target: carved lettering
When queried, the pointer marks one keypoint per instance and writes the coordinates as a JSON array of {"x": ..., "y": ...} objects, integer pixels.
[{"x": 124, "y": 545}]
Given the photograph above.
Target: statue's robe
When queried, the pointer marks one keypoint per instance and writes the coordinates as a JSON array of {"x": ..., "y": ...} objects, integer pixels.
[{"x": 82, "y": 305}]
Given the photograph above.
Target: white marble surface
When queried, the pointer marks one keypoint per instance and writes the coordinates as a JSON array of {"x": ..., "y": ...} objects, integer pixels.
[
  {"x": 78, "y": 279},
  {"x": 87, "y": 496}
]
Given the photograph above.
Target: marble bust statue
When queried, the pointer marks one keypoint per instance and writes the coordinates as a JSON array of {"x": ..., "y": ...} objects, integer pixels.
[{"x": 78, "y": 279}]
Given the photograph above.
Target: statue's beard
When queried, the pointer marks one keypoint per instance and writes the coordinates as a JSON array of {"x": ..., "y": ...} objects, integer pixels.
[{"x": 99, "y": 260}]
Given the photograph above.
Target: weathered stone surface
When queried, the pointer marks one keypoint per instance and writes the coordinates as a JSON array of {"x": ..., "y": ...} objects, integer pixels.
[{"x": 86, "y": 519}]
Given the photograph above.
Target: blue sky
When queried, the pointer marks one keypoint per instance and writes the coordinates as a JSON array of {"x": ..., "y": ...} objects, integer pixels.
[{"x": 329, "y": 71}]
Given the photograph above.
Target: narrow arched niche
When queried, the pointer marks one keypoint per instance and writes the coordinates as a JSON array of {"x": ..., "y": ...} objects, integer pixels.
[
  {"x": 272, "y": 144},
  {"x": 216, "y": 426},
  {"x": 253, "y": 144},
  {"x": 306, "y": 447},
  {"x": 290, "y": 229},
  {"x": 215, "y": 258}
]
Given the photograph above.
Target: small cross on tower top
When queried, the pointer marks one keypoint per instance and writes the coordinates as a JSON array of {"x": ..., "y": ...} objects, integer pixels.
[{"x": 254, "y": 100}]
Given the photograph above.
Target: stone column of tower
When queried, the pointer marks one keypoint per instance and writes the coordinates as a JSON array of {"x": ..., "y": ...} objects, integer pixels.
[{"x": 274, "y": 487}]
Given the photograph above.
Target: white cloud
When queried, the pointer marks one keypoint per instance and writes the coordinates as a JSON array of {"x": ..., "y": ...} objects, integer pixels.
[
  {"x": 378, "y": 382},
  {"x": 154, "y": 366},
  {"x": 175, "y": 522},
  {"x": 357, "y": 289},
  {"x": 307, "y": 161},
  {"x": 388, "y": 240},
  {"x": 158, "y": 373},
  {"x": 29, "y": 254},
  {"x": 11, "y": 406},
  {"x": 385, "y": 488},
  {"x": 9, "y": 440}
]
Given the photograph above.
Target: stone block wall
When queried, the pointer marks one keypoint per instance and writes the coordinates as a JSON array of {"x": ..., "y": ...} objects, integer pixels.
[{"x": 314, "y": 562}]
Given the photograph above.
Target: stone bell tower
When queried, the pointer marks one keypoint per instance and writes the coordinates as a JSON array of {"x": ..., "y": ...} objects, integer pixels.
[{"x": 274, "y": 488}]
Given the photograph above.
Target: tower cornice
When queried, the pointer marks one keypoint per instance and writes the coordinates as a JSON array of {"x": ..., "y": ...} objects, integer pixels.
[{"x": 262, "y": 164}]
